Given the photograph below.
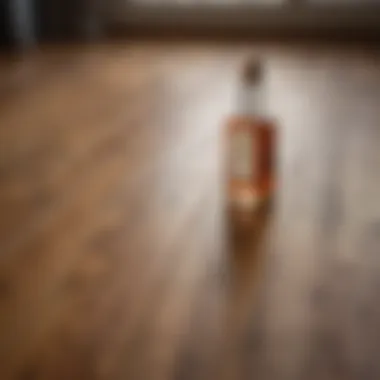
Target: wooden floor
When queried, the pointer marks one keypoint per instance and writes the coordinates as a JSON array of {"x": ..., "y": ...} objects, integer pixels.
[{"x": 116, "y": 258}]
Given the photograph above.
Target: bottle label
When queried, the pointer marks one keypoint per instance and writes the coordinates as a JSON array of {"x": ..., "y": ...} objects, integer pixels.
[{"x": 241, "y": 155}]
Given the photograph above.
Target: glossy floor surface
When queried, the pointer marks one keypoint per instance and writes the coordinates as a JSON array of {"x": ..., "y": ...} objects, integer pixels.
[{"x": 117, "y": 260}]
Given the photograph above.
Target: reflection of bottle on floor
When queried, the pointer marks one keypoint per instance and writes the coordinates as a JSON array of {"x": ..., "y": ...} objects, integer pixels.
[{"x": 251, "y": 139}]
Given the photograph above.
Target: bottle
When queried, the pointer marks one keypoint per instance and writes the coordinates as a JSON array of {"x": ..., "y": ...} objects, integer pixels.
[{"x": 251, "y": 139}]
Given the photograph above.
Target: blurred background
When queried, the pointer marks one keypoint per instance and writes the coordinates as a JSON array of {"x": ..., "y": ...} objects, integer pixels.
[
  {"x": 118, "y": 258},
  {"x": 24, "y": 22}
]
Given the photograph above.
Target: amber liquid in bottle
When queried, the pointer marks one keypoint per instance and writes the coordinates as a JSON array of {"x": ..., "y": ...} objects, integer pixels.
[{"x": 251, "y": 140}]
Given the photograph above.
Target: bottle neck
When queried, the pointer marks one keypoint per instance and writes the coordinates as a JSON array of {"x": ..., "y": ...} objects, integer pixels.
[{"x": 252, "y": 100}]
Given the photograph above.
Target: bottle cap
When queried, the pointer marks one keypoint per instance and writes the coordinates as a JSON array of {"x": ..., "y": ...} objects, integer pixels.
[{"x": 253, "y": 72}]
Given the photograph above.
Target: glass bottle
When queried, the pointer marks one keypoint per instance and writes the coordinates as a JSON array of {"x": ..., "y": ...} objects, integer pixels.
[{"x": 251, "y": 139}]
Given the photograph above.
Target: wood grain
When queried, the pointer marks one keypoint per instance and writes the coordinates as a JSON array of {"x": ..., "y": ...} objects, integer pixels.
[{"x": 118, "y": 259}]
